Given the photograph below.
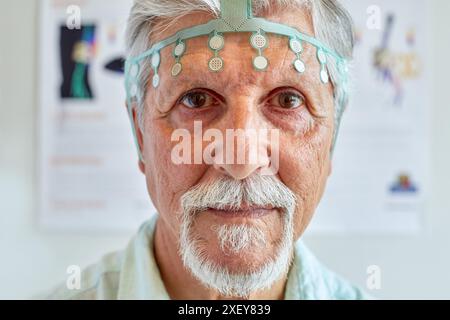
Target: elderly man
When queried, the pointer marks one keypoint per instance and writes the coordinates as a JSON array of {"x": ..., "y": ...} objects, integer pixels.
[{"x": 230, "y": 214}]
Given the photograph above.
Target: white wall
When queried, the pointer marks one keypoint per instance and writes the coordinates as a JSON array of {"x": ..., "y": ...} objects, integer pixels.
[{"x": 32, "y": 260}]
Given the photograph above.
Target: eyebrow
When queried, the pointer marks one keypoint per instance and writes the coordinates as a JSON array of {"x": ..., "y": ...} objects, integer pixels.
[{"x": 204, "y": 79}]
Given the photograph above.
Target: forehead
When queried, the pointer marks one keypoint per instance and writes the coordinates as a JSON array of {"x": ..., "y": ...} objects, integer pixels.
[{"x": 237, "y": 54}]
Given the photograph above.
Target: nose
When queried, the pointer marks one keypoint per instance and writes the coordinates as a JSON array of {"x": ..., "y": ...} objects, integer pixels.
[
  {"x": 242, "y": 158},
  {"x": 245, "y": 149}
]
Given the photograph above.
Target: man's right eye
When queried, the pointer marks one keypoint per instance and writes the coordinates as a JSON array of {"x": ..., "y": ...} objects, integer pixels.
[{"x": 197, "y": 99}]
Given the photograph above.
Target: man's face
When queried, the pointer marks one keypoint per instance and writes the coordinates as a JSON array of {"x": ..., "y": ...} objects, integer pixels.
[{"x": 299, "y": 106}]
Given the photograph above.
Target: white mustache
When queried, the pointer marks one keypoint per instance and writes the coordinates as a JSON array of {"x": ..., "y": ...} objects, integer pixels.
[{"x": 230, "y": 194}]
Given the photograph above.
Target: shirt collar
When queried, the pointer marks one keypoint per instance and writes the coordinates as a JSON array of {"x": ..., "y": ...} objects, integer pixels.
[{"x": 140, "y": 277}]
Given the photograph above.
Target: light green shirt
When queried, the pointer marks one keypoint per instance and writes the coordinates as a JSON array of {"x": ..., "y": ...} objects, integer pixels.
[{"x": 134, "y": 274}]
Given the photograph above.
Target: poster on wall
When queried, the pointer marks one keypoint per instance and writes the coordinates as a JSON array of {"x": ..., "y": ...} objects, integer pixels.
[
  {"x": 88, "y": 174},
  {"x": 380, "y": 178}
]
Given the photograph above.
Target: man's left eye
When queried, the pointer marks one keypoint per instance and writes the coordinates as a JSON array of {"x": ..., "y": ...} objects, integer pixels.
[{"x": 288, "y": 100}]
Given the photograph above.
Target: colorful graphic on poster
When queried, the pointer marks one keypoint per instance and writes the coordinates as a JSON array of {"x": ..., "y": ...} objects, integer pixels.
[{"x": 77, "y": 49}]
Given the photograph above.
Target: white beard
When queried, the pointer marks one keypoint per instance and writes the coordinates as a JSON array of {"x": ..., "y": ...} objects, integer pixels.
[
  {"x": 236, "y": 239},
  {"x": 240, "y": 237}
]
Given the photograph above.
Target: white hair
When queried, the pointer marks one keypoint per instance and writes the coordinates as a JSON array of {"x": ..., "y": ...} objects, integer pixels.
[
  {"x": 236, "y": 239},
  {"x": 332, "y": 25}
]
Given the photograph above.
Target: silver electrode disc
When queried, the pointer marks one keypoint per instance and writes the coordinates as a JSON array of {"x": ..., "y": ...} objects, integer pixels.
[
  {"x": 321, "y": 56},
  {"x": 179, "y": 49},
  {"x": 295, "y": 45},
  {"x": 258, "y": 41},
  {"x": 324, "y": 76},
  {"x": 176, "y": 69},
  {"x": 346, "y": 67},
  {"x": 299, "y": 65},
  {"x": 155, "y": 81},
  {"x": 133, "y": 90},
  {"x": 134, "y": 70},
  {"x": 217, "y": 42},
  {"x": 260, "y": 63},
  {"x": 216, "y": 64},
  {"x": 156, "y": 59}
]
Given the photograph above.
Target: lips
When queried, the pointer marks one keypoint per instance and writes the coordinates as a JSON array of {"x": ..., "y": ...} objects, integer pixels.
[{"x": 245, "y": 211}]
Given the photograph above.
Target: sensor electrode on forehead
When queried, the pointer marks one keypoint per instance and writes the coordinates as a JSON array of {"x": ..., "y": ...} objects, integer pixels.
[{"x": 236, "y": 16}]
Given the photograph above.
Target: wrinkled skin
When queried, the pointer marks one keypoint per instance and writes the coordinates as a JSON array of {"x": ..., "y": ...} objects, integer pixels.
[{"x": 241, "y": 98}]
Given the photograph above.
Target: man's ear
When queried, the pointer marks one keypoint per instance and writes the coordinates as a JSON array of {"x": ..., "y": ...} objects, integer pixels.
[{"x": 138, "y": 135}]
